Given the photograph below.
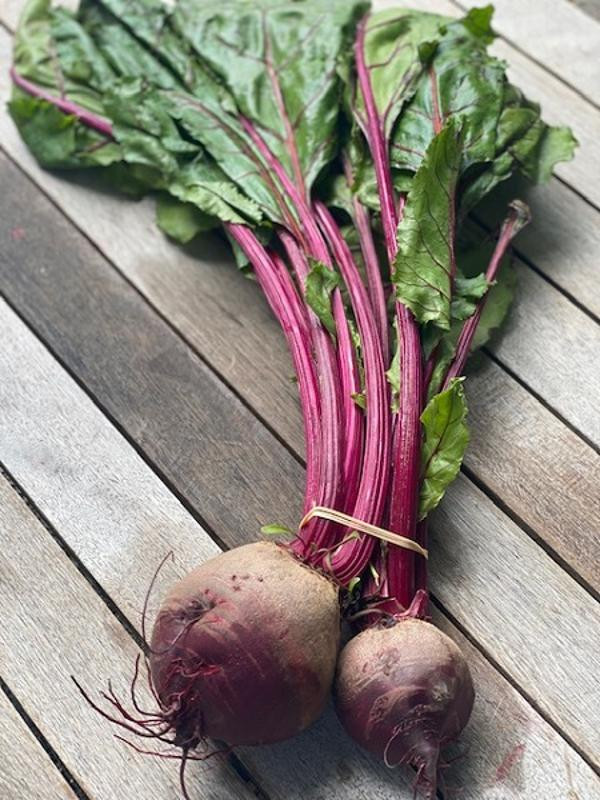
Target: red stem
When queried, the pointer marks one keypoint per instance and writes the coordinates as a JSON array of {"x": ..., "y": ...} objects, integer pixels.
[
  {"x": 465, "y": 339},
  {"x": 66, "y": 106},
  {"x": 283, "y": 299},
  {"x": 352, "y": 558},
  {"x": 377, "y": 143},
  {"x": 375, "y": 282},
  {"x": 329, "y": 467},
  {"x": 407, "y": 444}
]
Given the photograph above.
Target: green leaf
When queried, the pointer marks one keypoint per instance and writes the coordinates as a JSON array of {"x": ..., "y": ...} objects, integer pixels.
[
  {"x": 320, "y": 284},
  {"x": 398, "y": 45},
  {"x": 467, "y": 291},
  {"x": 393, "y": 374},
  {"x": 464, "y": 82},
  {"x": 445, "y": 440},
  {"x": 279, "y": 61},
  {"x": 353, "y": 585},
  {"x": 57, "y": 139},
  {"x": 478, "y": 23},
  {"x": 276, "y": 530},
  {"x": 360, "y": 399},
  {"x": 426, "y": 260},
  {"x": 497, "y": 305},
  {"x": 181, "y": 221}
]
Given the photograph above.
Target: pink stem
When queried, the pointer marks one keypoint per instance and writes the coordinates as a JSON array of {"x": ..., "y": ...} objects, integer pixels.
[
  {"x": 330, "y": 467},
  {"x": 465, "y": 339},
  {"x": 375, "y": 282},
  {"x": 377, "y": 143},
  {"x": 407, "y": 444},
  {"x": 352, "y": 558},
  {"x": 66, "y": 106},
  {"x": 281, "y": 295}
]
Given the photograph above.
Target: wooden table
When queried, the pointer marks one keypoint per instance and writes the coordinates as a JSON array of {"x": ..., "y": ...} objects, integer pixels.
[{"x": 143, "y": 409}]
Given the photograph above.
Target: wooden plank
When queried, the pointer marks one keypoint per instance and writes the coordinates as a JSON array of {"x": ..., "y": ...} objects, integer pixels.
[
  {"x": 539, "y": 468},
  {"x": 119, "y": 519},
  {"x": 32, "y": 290},
  {"x": 54, "y": 626},
  {"x": 551, "y": 346},
  {"x": 145, "y": 375},
  {"x": 559, "y": 36},
  {"x": 562, "y": 240},
  {"x": 27, "y": 771}
]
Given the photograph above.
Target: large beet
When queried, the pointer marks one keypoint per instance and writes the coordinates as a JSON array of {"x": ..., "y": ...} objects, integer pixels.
[
  {"x": 244, "y": 648},
  {"x": 403, "y": 692}
]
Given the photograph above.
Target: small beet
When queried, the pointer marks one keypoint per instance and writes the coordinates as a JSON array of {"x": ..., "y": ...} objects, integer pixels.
[{"x": 403, "y": 692}]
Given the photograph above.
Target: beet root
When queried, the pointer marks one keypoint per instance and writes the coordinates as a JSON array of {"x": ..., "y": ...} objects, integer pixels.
[
  {"x": 402, "y": 693},
  {"x": 244, "y": 648}
]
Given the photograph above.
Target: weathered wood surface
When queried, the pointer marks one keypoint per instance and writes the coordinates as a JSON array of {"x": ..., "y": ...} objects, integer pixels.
[
  {"x": 557, "y": 35},
  {"x": 55, "y": 625},
  {"x": 562, "y": 241},
  {"x": 543, "y": 472},
  {"x": 119, "y": 519},
  {"x": 513, "y": 600},
  {"x": 208, "y": 301},
  {"x": 26, "y": 770},
  {"x": 94, "y": 338}
]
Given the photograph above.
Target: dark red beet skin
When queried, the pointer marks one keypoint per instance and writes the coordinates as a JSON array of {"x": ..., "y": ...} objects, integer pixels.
[
  {"x": 244, "y": 648},
  {"x": 403, "y": 692}
]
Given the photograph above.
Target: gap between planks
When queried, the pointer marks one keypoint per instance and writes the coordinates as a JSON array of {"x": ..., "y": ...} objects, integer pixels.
[
  {"x": 84, "y": 497},
  {"x": 30, "y": 768}
]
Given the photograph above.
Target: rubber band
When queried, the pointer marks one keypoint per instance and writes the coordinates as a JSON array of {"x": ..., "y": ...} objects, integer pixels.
[{"x": 364, "y": 527}]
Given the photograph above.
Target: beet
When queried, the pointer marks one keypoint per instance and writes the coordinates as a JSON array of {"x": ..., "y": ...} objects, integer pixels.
[
  {"x": 244, "y": 648},
  {"x": 403, "y": 692}
]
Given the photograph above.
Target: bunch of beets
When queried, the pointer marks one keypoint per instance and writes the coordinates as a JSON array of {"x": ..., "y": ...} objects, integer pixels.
[{"x": 342, "y": 152}]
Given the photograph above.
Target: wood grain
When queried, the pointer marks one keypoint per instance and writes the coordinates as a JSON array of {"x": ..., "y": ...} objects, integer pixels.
[
  {"x": 538, "y": 468},
  {"x": 552, "y": 347},
  {"x": 120, "y": 519},
  {"x": 558, "y": 35},
  {"x": 54, "y": 625},
  {"x": 562, "y": 241},
  {"x": 143, "y": 373},
  {"x": 26, "y": 771},
  {"x": 262, "y": 386}
]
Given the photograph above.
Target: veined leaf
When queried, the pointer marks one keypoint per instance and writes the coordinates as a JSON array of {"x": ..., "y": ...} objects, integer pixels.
[
  {"x": 461, "y": 81},
  {"x": 445, "y": 440},
  {"x": 425, "y": 263},
  {"x": 181, "y": 221},
  {"x": 467, "y": 291},
  {"x": 524, "y": 144},
  {"x": 398, "y": 45},
  {"x": 320, "y": 284},
  {"x": 279, "y": 61},
  {"x": 57, "y": 139}
]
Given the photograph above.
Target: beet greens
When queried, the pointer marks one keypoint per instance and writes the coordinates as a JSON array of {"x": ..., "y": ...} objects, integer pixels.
[{"x": 341, "y": 152}]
